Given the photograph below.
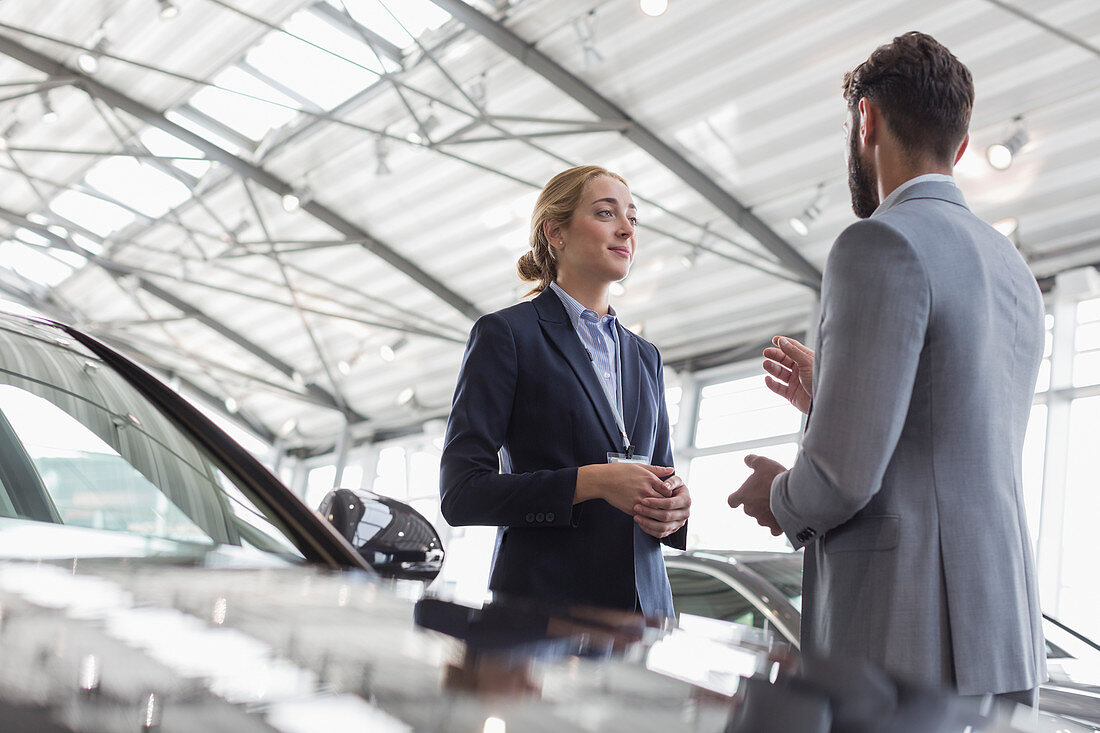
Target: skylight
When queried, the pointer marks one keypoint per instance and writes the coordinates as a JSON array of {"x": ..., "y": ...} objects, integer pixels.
[
  {"x": 207, "y": 133},
  {"x": 398, "y": 21},
  {"x": 152, "y": 192},
  {"x": 159, "y": 142},
  {"x": 35, "y": 264},
  {"x": 325, "y": 78},
  {"x": 247, "y": 115},
  {"x": 94, "y": 214}
]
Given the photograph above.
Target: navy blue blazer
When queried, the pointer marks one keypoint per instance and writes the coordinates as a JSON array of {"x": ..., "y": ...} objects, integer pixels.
[{"x": 527, "y": 389}]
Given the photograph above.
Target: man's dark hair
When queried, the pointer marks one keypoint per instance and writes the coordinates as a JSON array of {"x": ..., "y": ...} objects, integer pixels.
[{"x": 924, "y": 92}]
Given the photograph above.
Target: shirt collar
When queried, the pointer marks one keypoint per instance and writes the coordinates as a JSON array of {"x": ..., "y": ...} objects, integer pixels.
[
  {"x": 576, "y": 310},
  {"x": 897, "y": 192}
]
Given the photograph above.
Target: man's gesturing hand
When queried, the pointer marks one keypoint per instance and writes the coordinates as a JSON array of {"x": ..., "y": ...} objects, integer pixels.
[
  {"x": 754, "y": 496},
  {"x": 792, "y": 366}
]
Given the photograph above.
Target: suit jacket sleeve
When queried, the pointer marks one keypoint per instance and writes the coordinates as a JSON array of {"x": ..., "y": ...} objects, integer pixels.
[
  {"x": 875, "y": 304},
  {"x": 662, "y": 451},
  {"x": 473, "y": 490}
]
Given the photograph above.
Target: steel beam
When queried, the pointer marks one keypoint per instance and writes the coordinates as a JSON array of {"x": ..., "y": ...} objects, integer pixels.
[
  {"x": 526, "y": 53},
  {"x": 147, "y": 114}
]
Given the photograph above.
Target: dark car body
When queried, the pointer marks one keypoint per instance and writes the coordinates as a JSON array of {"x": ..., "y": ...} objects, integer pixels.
[{"x": 764, "y": 589}]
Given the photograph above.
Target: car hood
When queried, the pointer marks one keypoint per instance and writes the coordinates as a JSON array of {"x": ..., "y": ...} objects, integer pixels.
[{"x": 108, "y": 643}]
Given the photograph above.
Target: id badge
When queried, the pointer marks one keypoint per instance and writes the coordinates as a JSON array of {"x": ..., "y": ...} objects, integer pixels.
[{"x": 622, "y": 458}]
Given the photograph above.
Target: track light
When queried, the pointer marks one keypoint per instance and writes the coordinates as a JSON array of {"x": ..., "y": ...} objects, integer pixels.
[
  {"x": 381, "y": 152},
  {"x": 88, "y": 61},
  {"x": 585, "y": 34},
  {"x": 388, "y": 352},
  {"x": 168, "y": 9},
  {"x": 49, "y": 115},
  {"x": 801, "y": 223},
  {"x": 1000, "y": 155}
]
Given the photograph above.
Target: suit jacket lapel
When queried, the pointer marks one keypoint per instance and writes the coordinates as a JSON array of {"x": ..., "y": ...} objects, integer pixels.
[
  {"x": 632, "y": 383},
  {"x": 559, "y": 331}
]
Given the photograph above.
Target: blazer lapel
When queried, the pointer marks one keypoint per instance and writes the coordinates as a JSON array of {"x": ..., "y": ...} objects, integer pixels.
[
  {"x": 559, "y": 331},
  {"x": 630, "y": 360}
]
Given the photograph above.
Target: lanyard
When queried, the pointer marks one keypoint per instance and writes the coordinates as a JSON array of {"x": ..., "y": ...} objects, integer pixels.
[{"x": 614, "y": 401}]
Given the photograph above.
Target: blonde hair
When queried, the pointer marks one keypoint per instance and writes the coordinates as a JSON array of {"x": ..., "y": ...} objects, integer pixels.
[{"x": 557, "y": 202}]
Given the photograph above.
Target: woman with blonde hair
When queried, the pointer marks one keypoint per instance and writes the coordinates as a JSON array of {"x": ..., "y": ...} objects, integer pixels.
[{"x": 558, "y": 432}]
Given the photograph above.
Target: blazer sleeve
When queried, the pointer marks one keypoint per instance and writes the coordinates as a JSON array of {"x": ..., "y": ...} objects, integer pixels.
[
  {"x": 662, "y": 449},
  {"x": 472, "y": 489},
  {"x": 875, "y": 304}
]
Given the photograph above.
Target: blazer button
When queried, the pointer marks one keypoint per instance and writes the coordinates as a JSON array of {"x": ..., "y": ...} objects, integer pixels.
[
  {"x": 549, "y": 516},
  {"x": 540, "y": 517},
  {"x": 530, "y": 517}
]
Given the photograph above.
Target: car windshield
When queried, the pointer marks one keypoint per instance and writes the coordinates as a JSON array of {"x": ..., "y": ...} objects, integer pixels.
[{"x": 81, "y": 448}]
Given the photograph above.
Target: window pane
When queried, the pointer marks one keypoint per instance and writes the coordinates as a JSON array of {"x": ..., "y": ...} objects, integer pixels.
[
  {"x": 94, "y": 214},
  {"x": 1086, "y": 368},
  {"x": 740, "y": 410},
  {"x": 390, "y": 480},
  {"x": 318, "y": 484},
  {"x": 713, "y": 524},
  {"x": 247, "y": 115},
  {"x": 1088, "y": 310},
  {"x": 317, "y": 75},
  {"x": 33, "y": 264},
  {"x": 1042, "y": 381},
  {"x": 141, "y": 186},
  {"x": 1034, "y": 448},
  {"x": 1080, "y": 594}
]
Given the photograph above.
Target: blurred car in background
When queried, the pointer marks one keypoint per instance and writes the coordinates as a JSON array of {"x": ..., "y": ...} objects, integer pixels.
[{"x": 764, "y": 590}]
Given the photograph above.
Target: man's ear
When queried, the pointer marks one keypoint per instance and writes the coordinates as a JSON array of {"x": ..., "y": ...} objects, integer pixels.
[
  {"x": 962, "y": 148},
  {"x": 870, "y": 118}
]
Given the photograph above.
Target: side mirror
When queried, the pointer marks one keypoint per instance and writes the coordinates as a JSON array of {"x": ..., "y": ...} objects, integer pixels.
[{"x": 395, "y": 539}]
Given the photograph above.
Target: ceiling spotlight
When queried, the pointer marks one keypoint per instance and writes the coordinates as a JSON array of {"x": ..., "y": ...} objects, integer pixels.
[
  {"x": 801, "y": 223},
  {"x": 688, "y": 258},
  {"x": 586, "y": 36},
  {"x": 653, "y": 8},
  {"x": 168, "y": 9},
  {"x": 88, "y": 61},
  {"x": 381, "y": 152},
  {"x": 388, "y": 352},
  {"x": 49, "y": 115},
  {"x": 287, "y": 427},
  {"x": 406, "y": 396},
  {"x": 291, "y": 202},
  {"x": 231, "y": 405},
  {"x": 1000, "y": 154},
  {"x": 617, "y": 289}
]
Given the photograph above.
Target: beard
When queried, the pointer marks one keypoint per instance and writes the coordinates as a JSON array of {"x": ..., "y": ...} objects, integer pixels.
[{"x": 862, "y": 178}]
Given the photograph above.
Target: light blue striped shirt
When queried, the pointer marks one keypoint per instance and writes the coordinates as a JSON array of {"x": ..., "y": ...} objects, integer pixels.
[{"x": 598, "y": 336}]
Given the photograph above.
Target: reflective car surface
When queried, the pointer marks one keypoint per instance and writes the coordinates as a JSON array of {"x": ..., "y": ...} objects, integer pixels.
[
  {"x": 764, "y": 590},
  {"x": 154, "y": 576}
]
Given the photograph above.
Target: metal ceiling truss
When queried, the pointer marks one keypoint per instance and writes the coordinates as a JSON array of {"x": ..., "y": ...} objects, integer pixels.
[
  {"x": 244, "y": 168},
  {"x": 540, "y": 63},
  {"x": 192, "y": 311}
]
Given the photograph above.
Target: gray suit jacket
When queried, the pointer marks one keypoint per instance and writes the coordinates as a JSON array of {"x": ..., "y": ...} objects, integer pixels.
[{"x": 907, "y": 492}]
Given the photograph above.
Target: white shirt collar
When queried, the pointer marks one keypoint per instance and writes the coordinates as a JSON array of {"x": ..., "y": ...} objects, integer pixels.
[{"x": 897, "y": 192}]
